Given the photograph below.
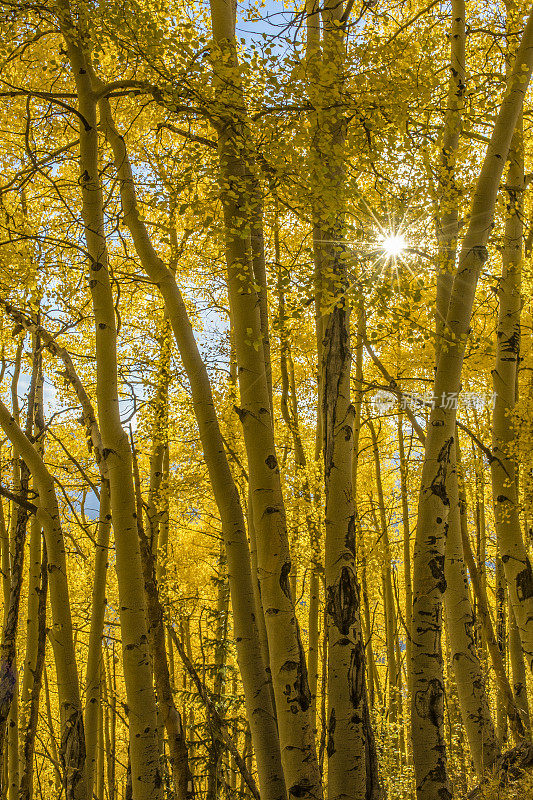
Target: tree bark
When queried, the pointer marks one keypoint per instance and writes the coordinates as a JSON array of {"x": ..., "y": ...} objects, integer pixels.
[
  {"x": 253, "y": 671},
  {"x": 183, "y": 788},
  {"x": 72, "y": 750},
  {"x": 470, "y": 681},
  {"x": 287, "y": 659},
  {"x": 429, "y": 584},
  {"x": 144, "y": 751},
  {"x": 94, "y": 654}
]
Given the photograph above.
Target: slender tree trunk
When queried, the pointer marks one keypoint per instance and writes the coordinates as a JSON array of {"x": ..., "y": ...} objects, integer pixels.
[
  {"x": 37, "y": 593},
  {"x": 511, "y": 545},
  {"x": 480, "y": 592},
  {"x": 388, "y": 589},
  {"x": 287, "y": 659},
  {"x": 501, "y": 637},
  {"x": 429, "y": 584},
  {"x": 183, "y": 788},
  {"x": 289, "y": 410},
  {"x": 448, "y": 211},
  {"x": 13, "y": 561},
  {"x": 518, "y": 671},
  {"x": 111, "y": 689},
  {"x": 146, "y": 777},
  {"x": 94, "y": 654},
  {"x": 406, "y": 548},
  {"x": 252, "y": 667},
  {"x": 72, "y": 751},
  {"x": 156, "y": 497},
  {"x": 456, "y": 739},
  {"x": 100, "y": 756},
  {"x": 473, "y": 701},
  {"x": 217, "y": 719},
  {"x": 481, "y": 532},
  {"x": 58, "y": 780},
  {"x": 221, "y": 646},
  {"x": 28, "y": 743}
]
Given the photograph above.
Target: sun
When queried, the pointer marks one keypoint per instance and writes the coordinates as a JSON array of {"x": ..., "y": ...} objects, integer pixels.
[{"x": 393, "y": 244}]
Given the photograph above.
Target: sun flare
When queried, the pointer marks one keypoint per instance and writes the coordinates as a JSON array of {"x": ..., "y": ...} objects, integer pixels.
[{"x": 393, "y": 245}]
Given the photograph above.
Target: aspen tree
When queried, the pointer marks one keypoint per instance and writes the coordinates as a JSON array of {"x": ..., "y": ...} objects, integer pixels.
[
  {"x": 312, "y": 59},
  {"x": 448, "y": 212},
  {"x": 289, "y": 410},
  {"x": 29, "y": 736},
  {"x": 483, "y": 608},
  {"x": 518, "y": 671},
  {"x": 429, "y": 582},
  {"x": 146, "y": 778},
  {"x": 98, "y": 606},
  {"x": 348, "y": 733},
  {"x": 256, "y": 683},
  {"x": 373, "y": 682},
  {"x": 471, "y": 689},
  {"x": 109, "y": 697},
  {"x": 54, "y": 756},
  {"x": 456, "y": 743},
  {"x": 155, "y": 504},
  {"x": 182, "y": 781},
  {"x": 13, "y": 561},
  {"x": 34, "y": 579},
  {"x": 388, "y": 589},
  {"x": 287, "y": 659},
  {"x": 72, "y": 749},
  {"x": 37, "y": 585},
  {"x": 501, "y": 637},
  {"x": 406, "y": 545},
  {"x": 17, "y": 534},
  {"x": 221, "y": 646},
  {"x": 511, "y": 545},
  {"x": 99, "y": 783}
]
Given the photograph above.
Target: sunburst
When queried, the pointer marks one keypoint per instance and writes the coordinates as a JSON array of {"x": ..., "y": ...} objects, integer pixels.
[{"x": 393, "y": 245}]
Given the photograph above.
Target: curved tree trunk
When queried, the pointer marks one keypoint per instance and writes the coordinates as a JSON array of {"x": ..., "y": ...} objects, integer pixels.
[
  {"x": 72, "y": 751},
  {"x": 253, "y": 671},
  {"x": 144, "y": 750},
  {"x": 429, "y": 584}
]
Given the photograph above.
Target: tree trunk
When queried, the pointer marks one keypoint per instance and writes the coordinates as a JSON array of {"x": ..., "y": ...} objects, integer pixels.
[
  {"x": 253, "y": 672},
  {"x": 511, "y": 545},
  {"x": 13, "y": 560},
  {"x": 406, "y": 548},
  {"x": 28, "y": 744},
  {"x": 429, "y": 584},
  {"x": 146, "y": 776},
  {"x": 183, "y": 788},
  {"x": 448, "y": 212},
  {"x": 287, "y": 659},
  {"x": 72, "y": 750},
  {"x": 518, "y": 671},
  {"x": 473, "y": 701},
  {"x": 94, "y": 654},
  {"x": 348, "y": 719}
]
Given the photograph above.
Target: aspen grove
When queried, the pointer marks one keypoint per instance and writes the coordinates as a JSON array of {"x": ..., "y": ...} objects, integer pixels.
[{"x": 266, "y": 400}]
